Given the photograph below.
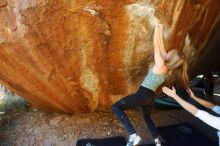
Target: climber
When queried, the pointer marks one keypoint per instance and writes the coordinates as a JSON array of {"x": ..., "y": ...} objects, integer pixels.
[
  {"x": 209, "y": 119},
  {"x": 165, "y": 64}
]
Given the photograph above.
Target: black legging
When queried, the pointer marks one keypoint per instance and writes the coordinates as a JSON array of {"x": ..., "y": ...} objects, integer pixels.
[{"x": 144, "y": 98}]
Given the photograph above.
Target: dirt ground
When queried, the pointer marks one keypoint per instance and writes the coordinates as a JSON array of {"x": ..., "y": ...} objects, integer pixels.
[
  {"x": 22, "y": 125},
  {"x": 31, "y": 127}
]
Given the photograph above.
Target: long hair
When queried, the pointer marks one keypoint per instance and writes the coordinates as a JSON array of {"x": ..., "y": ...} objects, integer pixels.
[
  {"x": 184, "y": 74},
  {"x": 178, "y": 69}
]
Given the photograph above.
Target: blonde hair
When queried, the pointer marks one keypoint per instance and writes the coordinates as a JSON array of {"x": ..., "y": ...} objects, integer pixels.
[
  {"x": 174, "y": 60},
  {"x": 178, "y": 67}
]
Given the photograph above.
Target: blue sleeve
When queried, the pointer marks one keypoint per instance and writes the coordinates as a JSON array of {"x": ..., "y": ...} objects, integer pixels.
[{"x": 216, "y": 109}]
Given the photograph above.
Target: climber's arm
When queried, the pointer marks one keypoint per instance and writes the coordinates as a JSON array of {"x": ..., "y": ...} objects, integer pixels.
[
  {"x": 159, "y": 61},
  {"x": 161, "y": 43}
]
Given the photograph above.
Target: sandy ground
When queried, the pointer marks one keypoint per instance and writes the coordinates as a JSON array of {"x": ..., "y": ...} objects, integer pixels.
[{"x": 32, "y": 127}]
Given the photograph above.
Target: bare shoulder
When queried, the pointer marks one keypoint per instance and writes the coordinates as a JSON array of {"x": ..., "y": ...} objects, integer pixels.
[{"x": 160, "y": 70}]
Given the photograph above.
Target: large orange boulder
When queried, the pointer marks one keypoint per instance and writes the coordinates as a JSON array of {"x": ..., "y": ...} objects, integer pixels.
[{"x": 81, "y": 56}]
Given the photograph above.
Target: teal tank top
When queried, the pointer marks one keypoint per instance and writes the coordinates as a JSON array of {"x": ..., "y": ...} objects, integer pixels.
[{"x": 153, "y": 81}]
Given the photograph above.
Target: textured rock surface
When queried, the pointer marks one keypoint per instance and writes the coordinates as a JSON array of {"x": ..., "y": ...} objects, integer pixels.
[{"x": 81, "y": 56}]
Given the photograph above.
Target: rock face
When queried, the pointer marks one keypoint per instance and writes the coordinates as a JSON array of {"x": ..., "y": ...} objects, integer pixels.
[{"x": 80, "y": 56}]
